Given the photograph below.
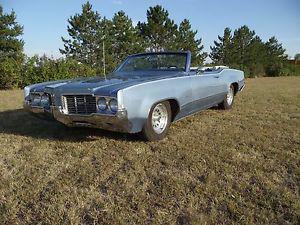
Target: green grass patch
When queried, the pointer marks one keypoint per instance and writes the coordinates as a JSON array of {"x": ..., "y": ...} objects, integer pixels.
[{"x": 217, "y": 167}]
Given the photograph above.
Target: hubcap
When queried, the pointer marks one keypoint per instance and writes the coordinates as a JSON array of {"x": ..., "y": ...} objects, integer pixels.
[
  {"x": 230, "y": 95},
  {"x": 159, "y": 118}
]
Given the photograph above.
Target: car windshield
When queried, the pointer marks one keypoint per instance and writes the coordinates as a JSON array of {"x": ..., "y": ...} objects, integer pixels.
[{"x": 154, "y": 62}]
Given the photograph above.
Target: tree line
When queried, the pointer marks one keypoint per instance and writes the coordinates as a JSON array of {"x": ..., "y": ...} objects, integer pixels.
[
  {"x": 90, "y": 35},
  {"x": 245, "y": 50}
]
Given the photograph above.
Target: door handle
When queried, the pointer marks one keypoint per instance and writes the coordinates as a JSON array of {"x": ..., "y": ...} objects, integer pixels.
[{"x": 216, "y": 76}]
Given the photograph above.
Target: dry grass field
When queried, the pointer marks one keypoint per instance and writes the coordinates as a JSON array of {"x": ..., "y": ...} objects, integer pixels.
[{"x": 217, "y": 167}]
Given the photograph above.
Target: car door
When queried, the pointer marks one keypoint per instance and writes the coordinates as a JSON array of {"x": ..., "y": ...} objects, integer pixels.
[{"x": 208, "y": 89}]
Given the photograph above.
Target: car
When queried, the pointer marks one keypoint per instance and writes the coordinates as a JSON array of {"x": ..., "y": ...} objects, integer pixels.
[{"x": 144, "y": 94}]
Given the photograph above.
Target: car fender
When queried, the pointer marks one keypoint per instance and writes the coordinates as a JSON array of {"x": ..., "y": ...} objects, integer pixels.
[{"x": 139, "y": 99}]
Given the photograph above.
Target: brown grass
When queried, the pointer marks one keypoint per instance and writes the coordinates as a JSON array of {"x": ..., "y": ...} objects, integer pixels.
[{"x": 217, "y": 167}]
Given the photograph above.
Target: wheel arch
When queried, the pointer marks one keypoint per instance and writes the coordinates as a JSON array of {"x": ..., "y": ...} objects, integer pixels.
[
  {"x": 175, "y": 108},
  {"x": 174, "y": 104},
  {"x": 236, "y": 87}
]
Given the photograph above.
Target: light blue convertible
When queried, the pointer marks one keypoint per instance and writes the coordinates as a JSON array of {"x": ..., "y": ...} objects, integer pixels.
[{"x": 144, "y": 94}]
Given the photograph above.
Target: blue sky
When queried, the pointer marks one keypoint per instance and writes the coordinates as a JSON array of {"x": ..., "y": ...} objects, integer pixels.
[{"x": 46, "y": 21}]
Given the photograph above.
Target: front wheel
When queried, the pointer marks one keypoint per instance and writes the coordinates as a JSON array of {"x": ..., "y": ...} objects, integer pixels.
[
  {"x": 158, "y": 122},
  {"x": 228, "y": 99}
]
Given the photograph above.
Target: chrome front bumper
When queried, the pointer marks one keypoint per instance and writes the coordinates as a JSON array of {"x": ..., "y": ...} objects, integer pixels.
[{"x": 117, "y": 122}]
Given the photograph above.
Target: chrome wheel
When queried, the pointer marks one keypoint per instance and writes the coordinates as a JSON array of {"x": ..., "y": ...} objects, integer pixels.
[
  {"x": 159, "y": 118},
  {"x": 230, "y": 96}
]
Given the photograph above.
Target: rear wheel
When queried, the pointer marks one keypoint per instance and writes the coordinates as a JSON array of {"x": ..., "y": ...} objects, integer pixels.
[
  {"x": 158, "y": 122},
  {"x": 228, "y": 99}
]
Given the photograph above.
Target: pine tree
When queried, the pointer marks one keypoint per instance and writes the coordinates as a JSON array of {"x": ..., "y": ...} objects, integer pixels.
[
  {"x": 275, "y": 49},
  {"x": 86, "y": 31},
  {"x": 276, "y": 57},
  {"x": 159, "y": 31},
  {"x": 186, "y": 40},
  {"x": 106, "y": 55},
  {"x": 221, "y": 52},
  {"x": 241, "y": 40},
  {"x": 255, "y": 56},
  {"x": 11, "y": 49},
  {"x": 125, "y": 38},
  {"x": 245, "y": 50}
]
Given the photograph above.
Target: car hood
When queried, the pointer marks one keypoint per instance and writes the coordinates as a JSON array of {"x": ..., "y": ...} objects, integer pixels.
[{"x": 99, "y": 85}]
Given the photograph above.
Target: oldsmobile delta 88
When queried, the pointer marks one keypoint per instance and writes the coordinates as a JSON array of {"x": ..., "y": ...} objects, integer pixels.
[{"x": 145, "y": 94}]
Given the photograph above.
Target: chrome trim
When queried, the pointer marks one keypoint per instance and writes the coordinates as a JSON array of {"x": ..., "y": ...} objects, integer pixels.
[
  {"x": 38, "y": 110},
  {"x": 35, "y": 109},
  {"x": 37, "y": 92},
  {"x": 112, "y": 123},
  {"x": 242, "y": 88},
  {"x": 118, "y": 122},
  {"x": 241, "y": 84},
  {"x": 108, "y": 109},
  {"x": 79, "y": 104},
  {"x": 106, "y": 112}
]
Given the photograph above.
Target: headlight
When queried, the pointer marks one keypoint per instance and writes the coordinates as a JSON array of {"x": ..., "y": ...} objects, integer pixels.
[
  {"x": 113, "y": 105},
  {"x": 36, "y": 101},
  {"x": 101, "y": 103},
  {"x": 45, "y": 100}
]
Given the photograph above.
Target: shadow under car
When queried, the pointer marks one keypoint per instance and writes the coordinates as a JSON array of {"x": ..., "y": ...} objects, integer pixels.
[{"x": 20, "y": 122}]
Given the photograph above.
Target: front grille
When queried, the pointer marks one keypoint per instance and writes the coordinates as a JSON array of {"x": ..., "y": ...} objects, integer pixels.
[{"x": 80, "y": 104}]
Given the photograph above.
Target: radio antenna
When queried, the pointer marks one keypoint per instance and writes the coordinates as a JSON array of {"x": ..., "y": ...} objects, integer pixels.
[{"x": 103, "y": 49}]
